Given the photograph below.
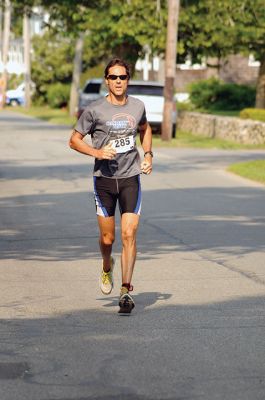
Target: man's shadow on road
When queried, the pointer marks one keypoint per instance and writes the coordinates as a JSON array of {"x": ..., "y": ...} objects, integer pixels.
[{"x": 142, "y": 300}]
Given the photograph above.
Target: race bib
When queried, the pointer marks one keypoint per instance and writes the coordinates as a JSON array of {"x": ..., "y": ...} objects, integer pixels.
[{"x": 122, "y": 145}]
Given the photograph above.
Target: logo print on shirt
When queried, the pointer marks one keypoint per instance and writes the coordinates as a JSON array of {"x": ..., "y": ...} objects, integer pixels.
[{"x": 122, "y": 121}]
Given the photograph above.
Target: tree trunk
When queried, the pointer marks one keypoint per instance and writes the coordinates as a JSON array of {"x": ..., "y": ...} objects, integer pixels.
[
  {"x": 128, "y": 52},
  {"x": 76, "y": 74},
  {"x": 1, "y": 24},
  {"x": 6, "y": 37},
  {"x": 260, "y": 91},
  {"x": 171, "y": 53},
  {"x": 27, "y": 76}
]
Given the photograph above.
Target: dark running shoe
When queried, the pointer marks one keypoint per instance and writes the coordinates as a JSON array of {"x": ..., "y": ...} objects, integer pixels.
[{"x": 126, "y": 302}]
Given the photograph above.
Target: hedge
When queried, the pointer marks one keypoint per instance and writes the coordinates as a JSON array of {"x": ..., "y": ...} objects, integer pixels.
[
  {"x": 213, "y": 94},
  {"x": 253, "y": 113}
]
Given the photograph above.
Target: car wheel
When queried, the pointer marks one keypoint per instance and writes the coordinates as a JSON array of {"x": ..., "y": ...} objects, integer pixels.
[
  {"x": 14, "y": 103},
  {"x": 174, "y": 130}
]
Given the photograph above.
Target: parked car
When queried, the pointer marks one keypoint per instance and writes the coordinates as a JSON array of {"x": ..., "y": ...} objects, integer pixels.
[
  {"x": 151, "y": 93},
  {"x": 16, "y": 97},
  {"x": 93, "y": 90}
]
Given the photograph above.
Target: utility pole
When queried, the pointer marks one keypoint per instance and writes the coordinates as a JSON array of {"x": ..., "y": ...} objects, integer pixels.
[
  {"x": 76, "y": 74},
  {"x": 170, "y": 67},
  {"x": 6, "y": 36},
  {"x": 1, "y": 27},
  {"x": 27, "y": 74}
]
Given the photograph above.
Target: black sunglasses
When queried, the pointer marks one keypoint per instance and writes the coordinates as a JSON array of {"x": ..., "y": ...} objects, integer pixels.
[{"x": 114, "y": 77}]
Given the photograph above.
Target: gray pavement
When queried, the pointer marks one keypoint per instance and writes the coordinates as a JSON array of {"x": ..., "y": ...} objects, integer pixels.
[{"x": 198, "y": 330}]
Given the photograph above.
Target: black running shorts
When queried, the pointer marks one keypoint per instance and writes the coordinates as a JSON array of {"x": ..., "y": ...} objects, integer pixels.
[{"x": 127, "y": 191}]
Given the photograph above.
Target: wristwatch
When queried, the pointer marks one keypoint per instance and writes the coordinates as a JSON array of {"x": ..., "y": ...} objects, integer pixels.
[{"x": 149, "y": 152}]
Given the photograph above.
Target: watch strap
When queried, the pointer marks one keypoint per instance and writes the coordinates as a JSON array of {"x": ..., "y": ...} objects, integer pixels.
[{"x": 149, "y": 152}]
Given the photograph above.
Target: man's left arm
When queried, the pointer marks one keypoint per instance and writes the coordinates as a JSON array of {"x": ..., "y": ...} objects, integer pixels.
[{"x": 146, "y": 142}]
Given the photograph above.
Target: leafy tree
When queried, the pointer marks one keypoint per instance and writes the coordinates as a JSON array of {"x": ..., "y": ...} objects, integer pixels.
[
  {"x": 250, "y": 36},
  {"x": 113, "y": 28},
  {"x": 124, "y": 28},
  {"x": 218, "y": 28},
  {"x": 207, "y": 28},
  {"x": 65, "y": 24},
  {"x": 52, "y": 61},
  {"x": 204, "y": 30}
]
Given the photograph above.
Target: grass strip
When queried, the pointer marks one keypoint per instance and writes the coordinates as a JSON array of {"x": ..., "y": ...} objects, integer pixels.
[{"x": 254, "y": 170}]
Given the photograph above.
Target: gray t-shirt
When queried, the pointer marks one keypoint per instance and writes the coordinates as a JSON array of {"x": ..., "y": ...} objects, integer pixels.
[{"x": 107, "y": 122}]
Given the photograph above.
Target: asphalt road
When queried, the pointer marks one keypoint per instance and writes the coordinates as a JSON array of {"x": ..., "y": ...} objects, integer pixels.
[{"x": 198, "y": 329}]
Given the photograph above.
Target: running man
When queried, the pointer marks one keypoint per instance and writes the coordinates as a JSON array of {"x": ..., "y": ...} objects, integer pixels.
[{"x": 112, "y": 122}]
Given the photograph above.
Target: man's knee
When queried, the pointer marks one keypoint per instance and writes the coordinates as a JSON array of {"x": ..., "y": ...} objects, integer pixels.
[
  {"x": 107, "y": 239},
  {"x": 129, "y": 234}
]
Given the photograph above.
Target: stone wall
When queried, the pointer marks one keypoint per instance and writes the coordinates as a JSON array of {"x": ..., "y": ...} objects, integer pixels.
[{"x": 234, "y": 129}]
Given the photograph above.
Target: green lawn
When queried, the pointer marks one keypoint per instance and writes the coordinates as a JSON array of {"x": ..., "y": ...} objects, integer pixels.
[{"x": 254, "y": 170}]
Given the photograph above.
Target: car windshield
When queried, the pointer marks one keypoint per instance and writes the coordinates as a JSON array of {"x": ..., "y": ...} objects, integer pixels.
[
  {"x": 92, "y": 88},
  {"x": 145, "y": 90}
]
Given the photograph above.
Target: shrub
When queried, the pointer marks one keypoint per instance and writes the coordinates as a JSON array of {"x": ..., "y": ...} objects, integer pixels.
[
  {"x": 202, "y": 93},
  {"x": 184, "y": 106},
  {"x": 58, "y": 95},
  {"x": 213, "y": 94},
  {"x": 253, "y": 113}
]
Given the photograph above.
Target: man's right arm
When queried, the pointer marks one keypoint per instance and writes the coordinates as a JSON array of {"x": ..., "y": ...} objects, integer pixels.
[{"x": 77, "y": 143}]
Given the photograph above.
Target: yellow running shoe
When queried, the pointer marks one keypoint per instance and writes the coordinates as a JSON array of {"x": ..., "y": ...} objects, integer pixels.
[{"x": 106, "y": 281}]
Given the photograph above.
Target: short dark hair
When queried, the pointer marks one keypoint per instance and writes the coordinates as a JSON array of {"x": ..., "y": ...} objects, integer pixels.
[{"x": 121, "y": 63}]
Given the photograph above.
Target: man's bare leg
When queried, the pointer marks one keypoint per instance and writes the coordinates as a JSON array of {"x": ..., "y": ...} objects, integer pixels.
[
  {"x": 129, "y": 225},
  {"x": 106, "y": 239}
]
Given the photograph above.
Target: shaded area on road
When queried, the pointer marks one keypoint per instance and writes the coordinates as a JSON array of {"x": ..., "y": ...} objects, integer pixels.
[
  {"x": 50, "y": 225},
  {"x": 14, "y": 170},
  {"x": 181, "y": 351}
]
